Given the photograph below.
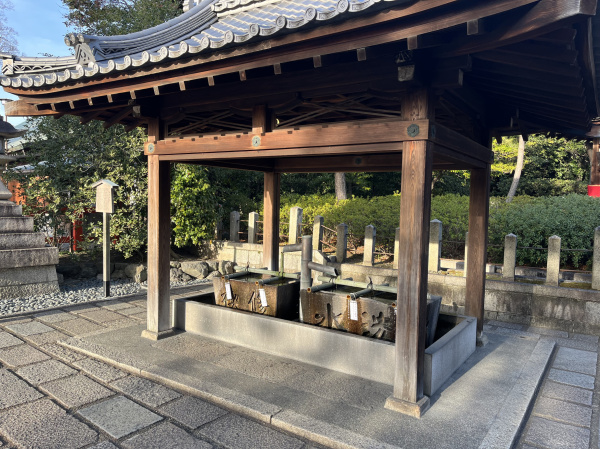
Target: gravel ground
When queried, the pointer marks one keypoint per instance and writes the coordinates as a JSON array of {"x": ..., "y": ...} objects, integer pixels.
[{"x": 78, "y": 291}]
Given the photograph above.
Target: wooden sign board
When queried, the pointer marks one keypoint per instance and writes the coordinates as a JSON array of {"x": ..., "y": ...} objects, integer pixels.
[
  {"x": 105, "y": 199},
  {"x": 105, "y": 196}
]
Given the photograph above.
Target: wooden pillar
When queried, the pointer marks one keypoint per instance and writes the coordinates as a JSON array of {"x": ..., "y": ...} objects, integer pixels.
[
  {"x": 477, "y": 258},
  {"x": 159, "y": 240},
  {"x": 411, "y": 319},
  {"x": 262, "y": 122}
]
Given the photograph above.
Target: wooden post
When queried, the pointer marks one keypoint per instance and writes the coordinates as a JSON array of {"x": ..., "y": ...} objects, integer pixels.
[
  {"x": 234, "y": 226},
  {"x": 369, "y": 246},
  {"x": 106, "y": 253},
  {"x": 477, "y": 241},
  {"x": 318, "y": 233},
  {"x": 159, "y": 240},
  {"x": 411, "y": 320},
  {"x": 262, "y": 122},
  {"x": 253, "y": 227}
]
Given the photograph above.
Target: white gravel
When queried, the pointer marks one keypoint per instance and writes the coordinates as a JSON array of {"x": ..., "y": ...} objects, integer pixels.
[{"x": 75, "y": 291}]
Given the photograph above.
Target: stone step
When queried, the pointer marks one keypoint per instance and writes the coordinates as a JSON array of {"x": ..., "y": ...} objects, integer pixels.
[
  {"x": 16, "y": 224},
  {"x": 22, "y": 240},
  {"x": 10, "y": 210},
  {"x": 33, "y": 257}
]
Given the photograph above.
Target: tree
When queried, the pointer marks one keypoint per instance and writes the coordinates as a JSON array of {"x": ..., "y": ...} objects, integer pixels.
[
  {"x": 8, "y": 41},
  {"x": 340, "y": 186},
  {"x": 518, "y": 169},
  {"x": 66, "y": 158},
  {"x": 112, "y": 17}
]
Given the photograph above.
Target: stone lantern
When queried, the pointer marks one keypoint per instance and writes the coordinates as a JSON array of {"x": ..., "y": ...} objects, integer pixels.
[{"x": 7, "y": 131}]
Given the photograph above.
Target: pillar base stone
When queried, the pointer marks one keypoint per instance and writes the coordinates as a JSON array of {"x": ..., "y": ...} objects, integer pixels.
[
  {"x": 482, "y": 340},
  {"x": 415, "y": 409},
  {"x": 151, "y": 335}
]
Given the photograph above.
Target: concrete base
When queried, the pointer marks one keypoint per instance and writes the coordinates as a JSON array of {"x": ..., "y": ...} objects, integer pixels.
[
  {"x": 448, "y": 353},
  {"x": 482, "y": 340},
  {"x": 155, "y": 336},
  {"x": 332, "y": 349},
  {"x": 414, "y": 409}
]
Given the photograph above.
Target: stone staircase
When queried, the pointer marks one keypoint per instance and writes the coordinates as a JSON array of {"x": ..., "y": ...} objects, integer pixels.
[{"x": 27, "y": 266}]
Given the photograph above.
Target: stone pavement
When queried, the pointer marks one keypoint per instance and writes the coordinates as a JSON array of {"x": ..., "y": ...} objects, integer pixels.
[
  {"x": 201, "y": 393},
  {"x": 52, "y": 397}
]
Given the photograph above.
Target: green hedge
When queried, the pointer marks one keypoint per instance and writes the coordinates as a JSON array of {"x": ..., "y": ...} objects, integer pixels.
[{"x": 571, "y": 217}]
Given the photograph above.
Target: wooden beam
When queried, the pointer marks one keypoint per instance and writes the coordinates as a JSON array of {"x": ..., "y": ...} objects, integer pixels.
[
  {"x": 159, "y": 240},
  {"x": 339, "y": 134},
  {"x": 411, "y": 319},
  {"x": 475, "y": 27},
  {"x": 118, "y": 117},
  {"x": 330, "y": 164},
  {"x": 477, "y": 251},
  {"x": 86, "y": 118}
]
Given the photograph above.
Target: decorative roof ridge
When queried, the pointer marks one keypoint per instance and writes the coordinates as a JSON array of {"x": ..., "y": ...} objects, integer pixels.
[{"x": 200, "y": 29}]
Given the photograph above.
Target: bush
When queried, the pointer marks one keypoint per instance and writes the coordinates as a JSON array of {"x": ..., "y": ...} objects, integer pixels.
[{"x": 571, "y": 217}]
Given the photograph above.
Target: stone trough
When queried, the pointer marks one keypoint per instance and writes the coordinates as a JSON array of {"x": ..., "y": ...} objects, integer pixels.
[{"x": 369, "y": 358}]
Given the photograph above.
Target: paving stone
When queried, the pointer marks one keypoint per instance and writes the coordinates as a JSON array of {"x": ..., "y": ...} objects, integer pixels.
[
  {"x": 567, "y": 393},
  {"x": 104, "y": 445},
  {"x": 113, "y": 305},
  {"x": 131, "y": 310},
  {"x": 570, "y": 378},
  {"x": 101, "y": 315},
  {"x": 43, "y": 424},
  {"x": 584, "y": 345},
  {"x": 46, "y": 337},
  {"x": 82, "y": 308},
  {"x": 47, "y": 371},
  {"x": 7, "y": 340},
  {"x": 547, "y": 332},
  {"x": 576, "y": 360},
  {"x": 21, "y": 355},
  {"x": 15, "y": 391},
  {"x": 30, "y": 328},
  {"x": 192, "y": 412},
  {"x": 567, "y": 412},
  {"x": 145, "y": 391},
  {"x": 235, "y": 432},
  {"x": 140, "y": 316},
  {"x": 516, "y": 333},
  {"x": 78, "y": 326},
  {"x": 99, "y": 370},
  {"x": 506, "y": 325},
  {"x": 123, "y": 322},
  {"x": 55, "y": 316},
  {"x": 586, "y": 337},
  {"x": 63, "y": 353},
  {"x": 165, "y": 435},
  {"x": 76, "y": 391},
  {"x": 14, "y": 320},
  {"x": 555, "y": 435},
  {"x": 119, "y": 416}
]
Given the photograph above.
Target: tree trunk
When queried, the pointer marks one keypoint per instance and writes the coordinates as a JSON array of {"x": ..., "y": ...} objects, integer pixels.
[
  {"x": 518, "y": 169},
  {"x": 340, "y": 186}
]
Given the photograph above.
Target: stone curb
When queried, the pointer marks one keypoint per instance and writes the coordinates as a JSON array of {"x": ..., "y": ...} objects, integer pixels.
[
  {"x": 507, "y": 425},
  {"x": 324, "y": 433}
]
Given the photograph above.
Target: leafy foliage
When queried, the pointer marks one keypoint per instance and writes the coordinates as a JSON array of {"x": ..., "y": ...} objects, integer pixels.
[{"x": 67, "y": 158}]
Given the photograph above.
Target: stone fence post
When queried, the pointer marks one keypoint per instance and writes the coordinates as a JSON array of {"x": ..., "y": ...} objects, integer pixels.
[
  {"x": 342, "y": 242},
  {"x": 396, "y": 249},
  {"x": 318, "y": 233},
  {"x": 295, "y": 224},
  {"x": 435, "y": 245},
  {"x": 596, "y": 261},
  {"x": 234, "y": 226},
  {"x": 369, "y": 246},
  {"x": 510, "y": 258},
  {"x": 553, "y": 265},
  {"x": 253, "y": 227}
]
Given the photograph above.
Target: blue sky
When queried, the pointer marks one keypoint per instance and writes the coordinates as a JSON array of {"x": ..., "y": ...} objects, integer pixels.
[{"x": 40, "y": 29}]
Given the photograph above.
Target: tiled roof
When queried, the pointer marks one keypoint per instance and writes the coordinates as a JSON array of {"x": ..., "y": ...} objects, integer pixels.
[{"x": 208, "y": 26}]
